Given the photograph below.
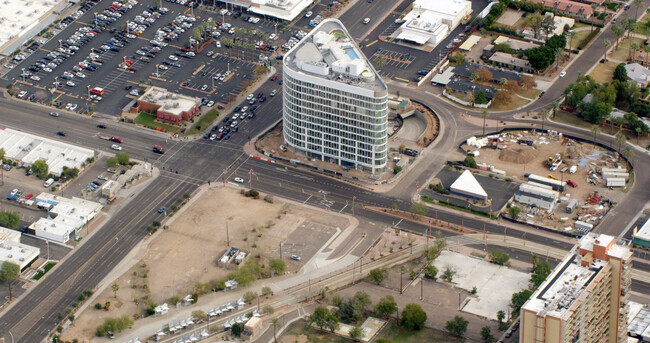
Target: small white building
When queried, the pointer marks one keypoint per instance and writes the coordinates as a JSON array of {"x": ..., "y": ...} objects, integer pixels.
[
  {"x": 21, "y": 254},
  {"x": 67, "y": 216},
  {"x": 530, "y": 194},
  {"x": 282, "y": 9},
  {"x": 53, "y": 230},
  {"x": 467, "y": 185},
  {"x": 430, "y": 21}
]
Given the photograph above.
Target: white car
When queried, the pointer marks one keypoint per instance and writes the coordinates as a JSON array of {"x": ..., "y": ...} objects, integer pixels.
[
  {"x": 173, "y": 58},
  {"x": 273, "y": 92},
  {"x": 116, "y": 147},
  {"x": 217, "y": 44},
  {"x": 35, "y": 78},
  {"x": 244, "y": 109},
  {"x": 71, "y": 107},
  {"x": 70, "y": 84},
  {"x": 250, "y": 96},
  {"x": 239, "y": 180},
  {"x": 562, "y": 74},
  {"x": 366, "y": 21},
  {"x": 309, "y": 14},
  {"x": 163, "y": 67}
]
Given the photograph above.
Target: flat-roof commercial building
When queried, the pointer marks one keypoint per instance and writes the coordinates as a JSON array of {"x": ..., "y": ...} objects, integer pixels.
[
  {"x": 21, "y": 20},
  {"x": 335, "y": 105},
  {"x": 585, "y": 298},
  {"x": 67, "y": 216},
  {"x": 281, "y": 9},
  {"x": 11, "y": 250},
  {"x": 430, "y": 21},
  {"x": 168, "y": 106},
  {"x": 26, "y": 148},
  {"x": 641, "y": 235}
]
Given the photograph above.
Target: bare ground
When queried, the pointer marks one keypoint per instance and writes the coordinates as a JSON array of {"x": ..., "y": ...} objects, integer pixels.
[{"x": 186, "y": 253}]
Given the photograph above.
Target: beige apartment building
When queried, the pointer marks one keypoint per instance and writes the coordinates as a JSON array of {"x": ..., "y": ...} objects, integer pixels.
[{"x": 585, "y": 299}]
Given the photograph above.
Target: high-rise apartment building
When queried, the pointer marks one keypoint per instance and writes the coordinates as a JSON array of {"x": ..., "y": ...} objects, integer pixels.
[
  {"x": 585, "y": 299},
  {"x": 335, "y": 105}
]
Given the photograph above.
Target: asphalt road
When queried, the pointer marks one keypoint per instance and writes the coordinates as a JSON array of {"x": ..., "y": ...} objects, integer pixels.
[{"x": 198, "y": 161}]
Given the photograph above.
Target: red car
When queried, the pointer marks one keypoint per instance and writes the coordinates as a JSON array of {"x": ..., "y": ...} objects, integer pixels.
[
  {"x": 29, "y": 196},
  {"x": 115, "y": 139},
  {"x": 572, "y": 183},
  {"x": 274, "y": 77}
]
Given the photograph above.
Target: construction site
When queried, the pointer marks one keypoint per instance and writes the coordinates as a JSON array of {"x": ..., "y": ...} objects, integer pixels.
[{"x": 562, "y": 183}]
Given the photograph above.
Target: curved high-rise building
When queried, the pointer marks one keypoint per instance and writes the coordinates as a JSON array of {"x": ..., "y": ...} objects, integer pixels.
[{"x": 335, "y": 105}]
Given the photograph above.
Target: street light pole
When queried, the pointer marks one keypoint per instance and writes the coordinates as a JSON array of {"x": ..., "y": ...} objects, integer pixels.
[
  {"x": 353, "y": 199},
  {"x": 250, "y": 179}
]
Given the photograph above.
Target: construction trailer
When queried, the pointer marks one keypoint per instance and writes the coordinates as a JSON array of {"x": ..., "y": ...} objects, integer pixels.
[
  {"x": 571, "y": 206},
  {"x": 536, "y": 196},
  {"x": 615, "y": 182},
  {"x": 556, "y": 184}
]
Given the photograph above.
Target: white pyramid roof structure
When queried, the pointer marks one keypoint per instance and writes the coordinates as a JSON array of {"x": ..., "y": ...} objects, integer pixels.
[{"x": 467, "y": 184}]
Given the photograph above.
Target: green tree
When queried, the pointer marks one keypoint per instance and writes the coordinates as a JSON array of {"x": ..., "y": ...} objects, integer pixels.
[
  {"x": 480, "y": 97},
  {"x": 275, "y": 322},
  {"x": 9, "y": 219},
  {"x": 356, "y": 334},
  {"x": 8, "y": 273},
  {"x": 268, "y": 309},
  {"x": 501, "y": 315},
  {"x": 448, "y": 274},
  {"x": 114, "y": 325},
  {"x": 541, "y": 57},
  {"x": 199, "y": 315},
  {"x": 380, "y": 61},
  {"x": 386, "y": 306},
  {"x": 419, "y": 209},
  {"x": 115, "y": 287},
  {"x": 377, "y": 275},
  {"x": 2, "y": 155},
  {"x": 362, "y": 300},
  {"x": 519, "y": 299},
  {"x": 431, "y": 272},
  {"x": 540, "y": 272},
  {"x": 413, "y": 317},
  {"x": 620, "y": 73},
  {"x": 606, "y": 43},
  {"x": 237, "y": 329},
  {"x": 250, "y": 296},
  {"x": 457, "y": 326},
  {"x": 469, "y": 162},
  {"x": 486, "y": 334},
  {"x": 323, "y": 318},
  {"x": 277, "y": 266},
  {"x": 534, "y": 259},
  {"x": 499, "y": 257},
  {"x": 122, "y": 158},
  {"x": 513, "y": 211},
  {"x": 618, "y": 32},
  {"x": 266, "y": 291},
  {"x": 111, "y": 162},
  {"x": 40, "y": 169}
]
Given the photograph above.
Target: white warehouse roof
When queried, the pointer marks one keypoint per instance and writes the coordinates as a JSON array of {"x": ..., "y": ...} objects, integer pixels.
[
  {"x": 27, "y": 148},
  {"x": 466, "y": 184},
  {"x": 20, "y": 254},
  {"x": 9, "y": 235}
]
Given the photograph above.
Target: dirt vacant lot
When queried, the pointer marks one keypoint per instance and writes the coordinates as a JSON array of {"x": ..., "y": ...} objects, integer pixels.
[{"x": 174, "y": 260}]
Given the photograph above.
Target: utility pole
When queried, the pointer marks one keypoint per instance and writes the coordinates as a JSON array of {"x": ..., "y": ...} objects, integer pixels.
[
  {"x": 227, "y": 235},
  {"x": 250, "y": 179},
  {"x": 421, "y": 288},
  {"x": 401, "y": 273},
  {"x": 280, "y": 250}
]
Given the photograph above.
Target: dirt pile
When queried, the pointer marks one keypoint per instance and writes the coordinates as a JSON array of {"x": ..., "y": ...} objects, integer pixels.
[
  {"x": 518, "y": 155},
  {"x": 577, "y": 151}
]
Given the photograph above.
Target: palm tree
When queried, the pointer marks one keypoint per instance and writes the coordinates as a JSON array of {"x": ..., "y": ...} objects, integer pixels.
[
  {"x": 637, "y": 4},
  {"x": 484, "y": 114},
  {"x": 633, "y": 47},
  {"x": 646, "y": 49},
  {"x": 380, "y": 61},
  {"x": 544, "y": 115},
  {"x": 595, "y": 130},
  {"x": 534, "y": 259},
  {"x": 620, "y": 139},
  {"x": 594, "y": 6},
  {"x": 627, "y": 152},
  {"x": 572, "y": 34},
  {"x": 618, "y": 32},
  {"x": 555, "y": 105},
  {"x": 607, "y": 44},
  {"x": 275, "y": 322}
]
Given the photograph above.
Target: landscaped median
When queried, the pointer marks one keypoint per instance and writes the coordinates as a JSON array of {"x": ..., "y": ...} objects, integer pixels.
[{"x": 205, "y": 122}]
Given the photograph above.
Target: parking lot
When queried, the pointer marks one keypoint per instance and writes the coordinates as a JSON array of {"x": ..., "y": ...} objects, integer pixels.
[{"x": 84, "y": 57}]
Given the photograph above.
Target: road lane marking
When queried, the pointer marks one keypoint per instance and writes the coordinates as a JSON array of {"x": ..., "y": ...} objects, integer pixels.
[{"x": 371, "y": 43}]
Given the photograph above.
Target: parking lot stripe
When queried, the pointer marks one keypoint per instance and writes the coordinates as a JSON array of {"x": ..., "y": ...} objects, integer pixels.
[
  {"x": 401, "y": 79},
  {"x": 44, "y": 50},
  {"x": 57, "y": 97},
  {"x": 371, "y": 43},
  {"x": 82, "y": 23}
]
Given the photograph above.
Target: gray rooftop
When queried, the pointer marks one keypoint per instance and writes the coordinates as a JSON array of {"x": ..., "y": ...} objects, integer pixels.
[{"x": 329, "y": 52}]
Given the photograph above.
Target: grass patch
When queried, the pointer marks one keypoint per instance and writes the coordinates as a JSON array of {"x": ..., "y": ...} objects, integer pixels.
[
  {"x": 203, "y": 123},
  {"x": 148, "y": 120},
  {"x": 643, "y": 26},
  {"x": 399, "y": 334},
  {"x": 604, "y": 72},
  {"x": 577, "y": 39},
  {"x": 516, "y": 102},
  {"x": 571, "y": 119},
  {"x": 623, "y": 51},
  {"x": 531, "y": 93},
  {"x": 457, "y": 208},
  {"x": 45, "y": 270}
]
